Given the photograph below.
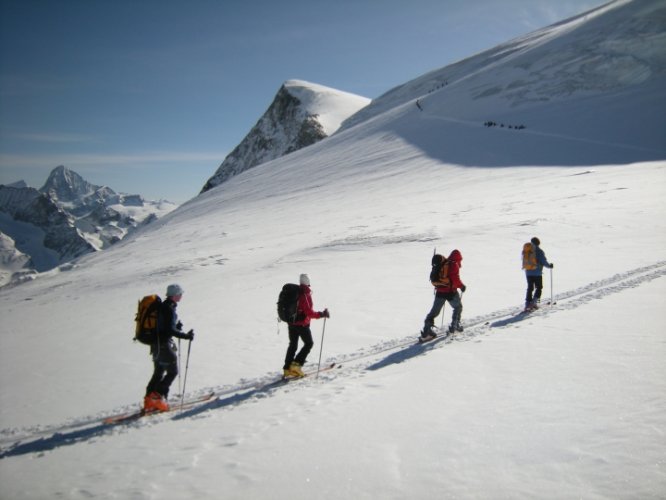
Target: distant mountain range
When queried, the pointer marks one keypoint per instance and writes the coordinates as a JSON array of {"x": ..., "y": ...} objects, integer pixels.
[
  {"x": 64, "y": 219},
  {"x": 301, "y": 114}
]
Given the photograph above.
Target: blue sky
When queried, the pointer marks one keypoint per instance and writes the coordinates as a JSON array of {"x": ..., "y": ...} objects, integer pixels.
[{"x": 149, "y": 96}]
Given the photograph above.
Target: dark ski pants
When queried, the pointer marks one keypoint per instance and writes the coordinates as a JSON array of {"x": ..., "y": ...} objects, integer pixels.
[
  {"x": 165, "y": 371},
  {"x": 452, "y": 298},
  {"x": 298, "y": 332},
  {"x": 534, "y": 285}
]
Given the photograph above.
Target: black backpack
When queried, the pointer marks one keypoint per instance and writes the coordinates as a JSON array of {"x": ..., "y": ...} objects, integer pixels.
[
  {"x": 287, "y": 304},
  {"x": 439, "y": 272}
]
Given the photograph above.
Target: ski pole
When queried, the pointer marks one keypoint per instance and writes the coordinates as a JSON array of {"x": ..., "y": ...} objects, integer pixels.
[
  {"x": 551, "y": 287},
  {"x": 187, "y": 365},
  {"x": 180, "y": 387},
  {"x": 443, "y": 308},
  {"x": 462, "y": 292},
  {"x": 323, "y": 330}
]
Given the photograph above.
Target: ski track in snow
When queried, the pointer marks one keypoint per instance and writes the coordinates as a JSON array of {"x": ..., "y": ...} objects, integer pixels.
[{"x": 37, "y": 439}]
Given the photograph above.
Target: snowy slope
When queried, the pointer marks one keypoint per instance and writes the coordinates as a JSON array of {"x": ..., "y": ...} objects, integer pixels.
[
  {"x": 12, "y": 261},
  {"x": 577, "y": 73},
  {"x": 564, "y": 403}
]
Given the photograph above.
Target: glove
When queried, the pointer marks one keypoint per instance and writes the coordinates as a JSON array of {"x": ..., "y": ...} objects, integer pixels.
[
  {"x": 190, "y": 335},
  {"x": 463, "y": 288},
  {"x": 179, "y": 325},
  {"x": 325, "y": 314},
  {"x": 552, "y": 265}
]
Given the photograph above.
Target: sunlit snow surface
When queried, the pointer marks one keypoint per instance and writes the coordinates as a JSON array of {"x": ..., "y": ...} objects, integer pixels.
[{"x": 565, "y": 403}]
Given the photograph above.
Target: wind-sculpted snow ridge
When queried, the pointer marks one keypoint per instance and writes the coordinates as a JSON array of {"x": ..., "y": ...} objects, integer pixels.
[
  {"x": 37, "y": 439},
  {"x": 379, "y": 240}
]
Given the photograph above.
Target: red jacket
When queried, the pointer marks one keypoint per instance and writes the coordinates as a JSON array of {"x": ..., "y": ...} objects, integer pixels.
[
  {"x": 455, "y": 263},
  {"x": 305, "y": 309}
]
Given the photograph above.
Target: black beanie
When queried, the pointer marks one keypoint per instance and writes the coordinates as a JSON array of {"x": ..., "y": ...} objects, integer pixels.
[{"x": 536, "y": 241}]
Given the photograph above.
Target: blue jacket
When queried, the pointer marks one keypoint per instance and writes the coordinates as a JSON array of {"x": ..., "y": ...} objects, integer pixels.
[{"x": 541, "y": 263}]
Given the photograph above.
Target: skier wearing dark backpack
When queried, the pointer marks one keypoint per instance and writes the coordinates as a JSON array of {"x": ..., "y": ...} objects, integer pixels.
[
  {"x": 163, "y": 351},
  {"x": 300, "y": 329},
  {"x": 445, "y": 277}
]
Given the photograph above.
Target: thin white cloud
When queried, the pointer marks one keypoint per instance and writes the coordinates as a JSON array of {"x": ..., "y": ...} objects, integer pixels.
[
  {"x": 119, "y": 160},
  {"x": 55, "y": 137},
  {"x": 535, "y": 15},
  {"x": 19, "y": 85}
]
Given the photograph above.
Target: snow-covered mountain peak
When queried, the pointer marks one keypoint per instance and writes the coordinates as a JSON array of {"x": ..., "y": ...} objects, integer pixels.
[
  {"x": 68, "y": 217},
  {"x": 330, "y": 106},
  {"x": 301, "y": 114},
  {"x": 65, "y": 185},
  {"x": 18, "y": 184}
]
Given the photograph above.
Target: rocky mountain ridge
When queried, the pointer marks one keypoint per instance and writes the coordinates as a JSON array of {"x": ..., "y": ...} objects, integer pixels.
[
  {"x": 66, "y": 218},
  {"x": 300, "y": 115}
]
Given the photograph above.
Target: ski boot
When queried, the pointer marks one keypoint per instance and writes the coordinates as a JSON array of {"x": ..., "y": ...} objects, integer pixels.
[
  {"x": 294, "y": 370},
  {"x": 531, "y": 306},
  {"x": 455, "y": 327},
  {"x": 427, "y": 334},
  {"x": 154, "y": 402}
]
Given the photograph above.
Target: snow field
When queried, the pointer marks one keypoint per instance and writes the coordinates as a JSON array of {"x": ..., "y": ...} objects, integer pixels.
[
  {"x": 568, "y": 402},
  {"x": 462, "y": 420}
]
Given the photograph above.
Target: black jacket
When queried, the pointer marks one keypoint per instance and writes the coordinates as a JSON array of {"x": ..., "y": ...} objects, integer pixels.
[{"x": 167, "y": 323}]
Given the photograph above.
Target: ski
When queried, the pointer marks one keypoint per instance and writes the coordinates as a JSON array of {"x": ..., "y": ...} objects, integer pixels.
[
  {"x": 128, "y": 417},
  {"x": 440, "y": 334},
  {"x": 136, "y": 415}
]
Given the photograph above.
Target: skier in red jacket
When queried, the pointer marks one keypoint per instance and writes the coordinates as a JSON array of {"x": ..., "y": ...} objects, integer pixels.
[
  {"x": 300, "y": 329},
  {"x": 446, "y": 290}
]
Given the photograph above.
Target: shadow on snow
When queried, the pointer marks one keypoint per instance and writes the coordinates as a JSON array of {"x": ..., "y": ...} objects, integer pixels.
[
  {"x": 61, "y": 439},
  {"x": 409, "y": 352},
  {"x": 230, "y": 400},
  {"x": 56, "y": 440},
  {"x": 511, "y": 320}
]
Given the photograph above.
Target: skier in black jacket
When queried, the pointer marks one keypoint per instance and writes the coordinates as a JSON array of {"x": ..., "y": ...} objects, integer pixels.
[{"x": 163, "y": 351}]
